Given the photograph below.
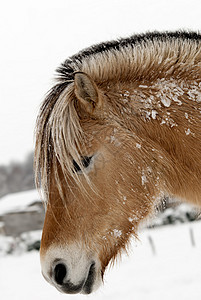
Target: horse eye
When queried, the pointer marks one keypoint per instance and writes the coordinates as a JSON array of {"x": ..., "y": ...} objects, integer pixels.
[{"x": 86, "y": 160}]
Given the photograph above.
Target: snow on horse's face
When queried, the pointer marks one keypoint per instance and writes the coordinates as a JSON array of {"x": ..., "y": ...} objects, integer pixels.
[{"x": 110, "y": 143}]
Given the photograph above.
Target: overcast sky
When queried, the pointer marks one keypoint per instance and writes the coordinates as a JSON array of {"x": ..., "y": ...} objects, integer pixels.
[{"x": 37, "y": 35}]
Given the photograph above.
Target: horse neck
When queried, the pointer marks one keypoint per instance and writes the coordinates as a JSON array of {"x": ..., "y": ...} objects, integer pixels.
[{"x": 165, "y": 114}]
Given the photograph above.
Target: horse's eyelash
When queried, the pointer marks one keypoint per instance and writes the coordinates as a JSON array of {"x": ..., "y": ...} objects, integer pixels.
[{"x": 86, "y": 160}]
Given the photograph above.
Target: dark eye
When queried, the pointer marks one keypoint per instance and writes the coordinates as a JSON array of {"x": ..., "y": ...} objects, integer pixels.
[{"x": 86, "y": 160}]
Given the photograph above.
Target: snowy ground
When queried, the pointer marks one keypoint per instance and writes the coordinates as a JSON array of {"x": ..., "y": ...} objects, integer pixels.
[{"x": 174, "y": 272}]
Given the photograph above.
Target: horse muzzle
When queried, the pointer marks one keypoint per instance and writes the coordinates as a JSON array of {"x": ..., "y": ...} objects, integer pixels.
[{"x": 71, "y": 271}]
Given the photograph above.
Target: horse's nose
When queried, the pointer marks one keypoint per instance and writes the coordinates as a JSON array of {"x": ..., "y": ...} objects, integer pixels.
[
  {"x": 71, "y": 269},
  {"x": 64, "y": 283},
  {"x": 60, "y": 272}
]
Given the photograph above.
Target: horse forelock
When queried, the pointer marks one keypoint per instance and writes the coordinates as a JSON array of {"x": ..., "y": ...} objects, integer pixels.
[{"x": 58, "y": 140}]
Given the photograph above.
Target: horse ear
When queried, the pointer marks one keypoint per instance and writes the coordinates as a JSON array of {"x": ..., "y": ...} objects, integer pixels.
[{"x": 86, "y": 92}]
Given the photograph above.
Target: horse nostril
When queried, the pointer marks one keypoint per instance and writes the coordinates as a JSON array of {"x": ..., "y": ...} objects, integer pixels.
[
  {"x": 60, "y": 273},
  {"x": 90, "y": 279}
]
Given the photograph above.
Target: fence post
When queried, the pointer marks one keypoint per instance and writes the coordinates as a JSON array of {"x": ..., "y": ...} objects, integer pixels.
[
  {"x": 153, "y": 248},
  {"x": 192, "y": 237}
]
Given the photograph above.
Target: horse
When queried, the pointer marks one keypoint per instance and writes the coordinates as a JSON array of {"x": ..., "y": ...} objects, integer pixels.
[{"x": 118, "y": 131}]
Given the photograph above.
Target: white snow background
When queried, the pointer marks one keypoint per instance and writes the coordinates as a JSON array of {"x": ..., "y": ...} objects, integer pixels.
[
  {"x": 174, "y": 272},
  {"x": 36, "y": 36}
]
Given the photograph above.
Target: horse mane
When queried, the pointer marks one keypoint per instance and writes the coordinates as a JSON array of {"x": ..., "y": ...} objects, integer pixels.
[
  {"x": 133, "y": 58},
  {"x": 139, "y": 58}
]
